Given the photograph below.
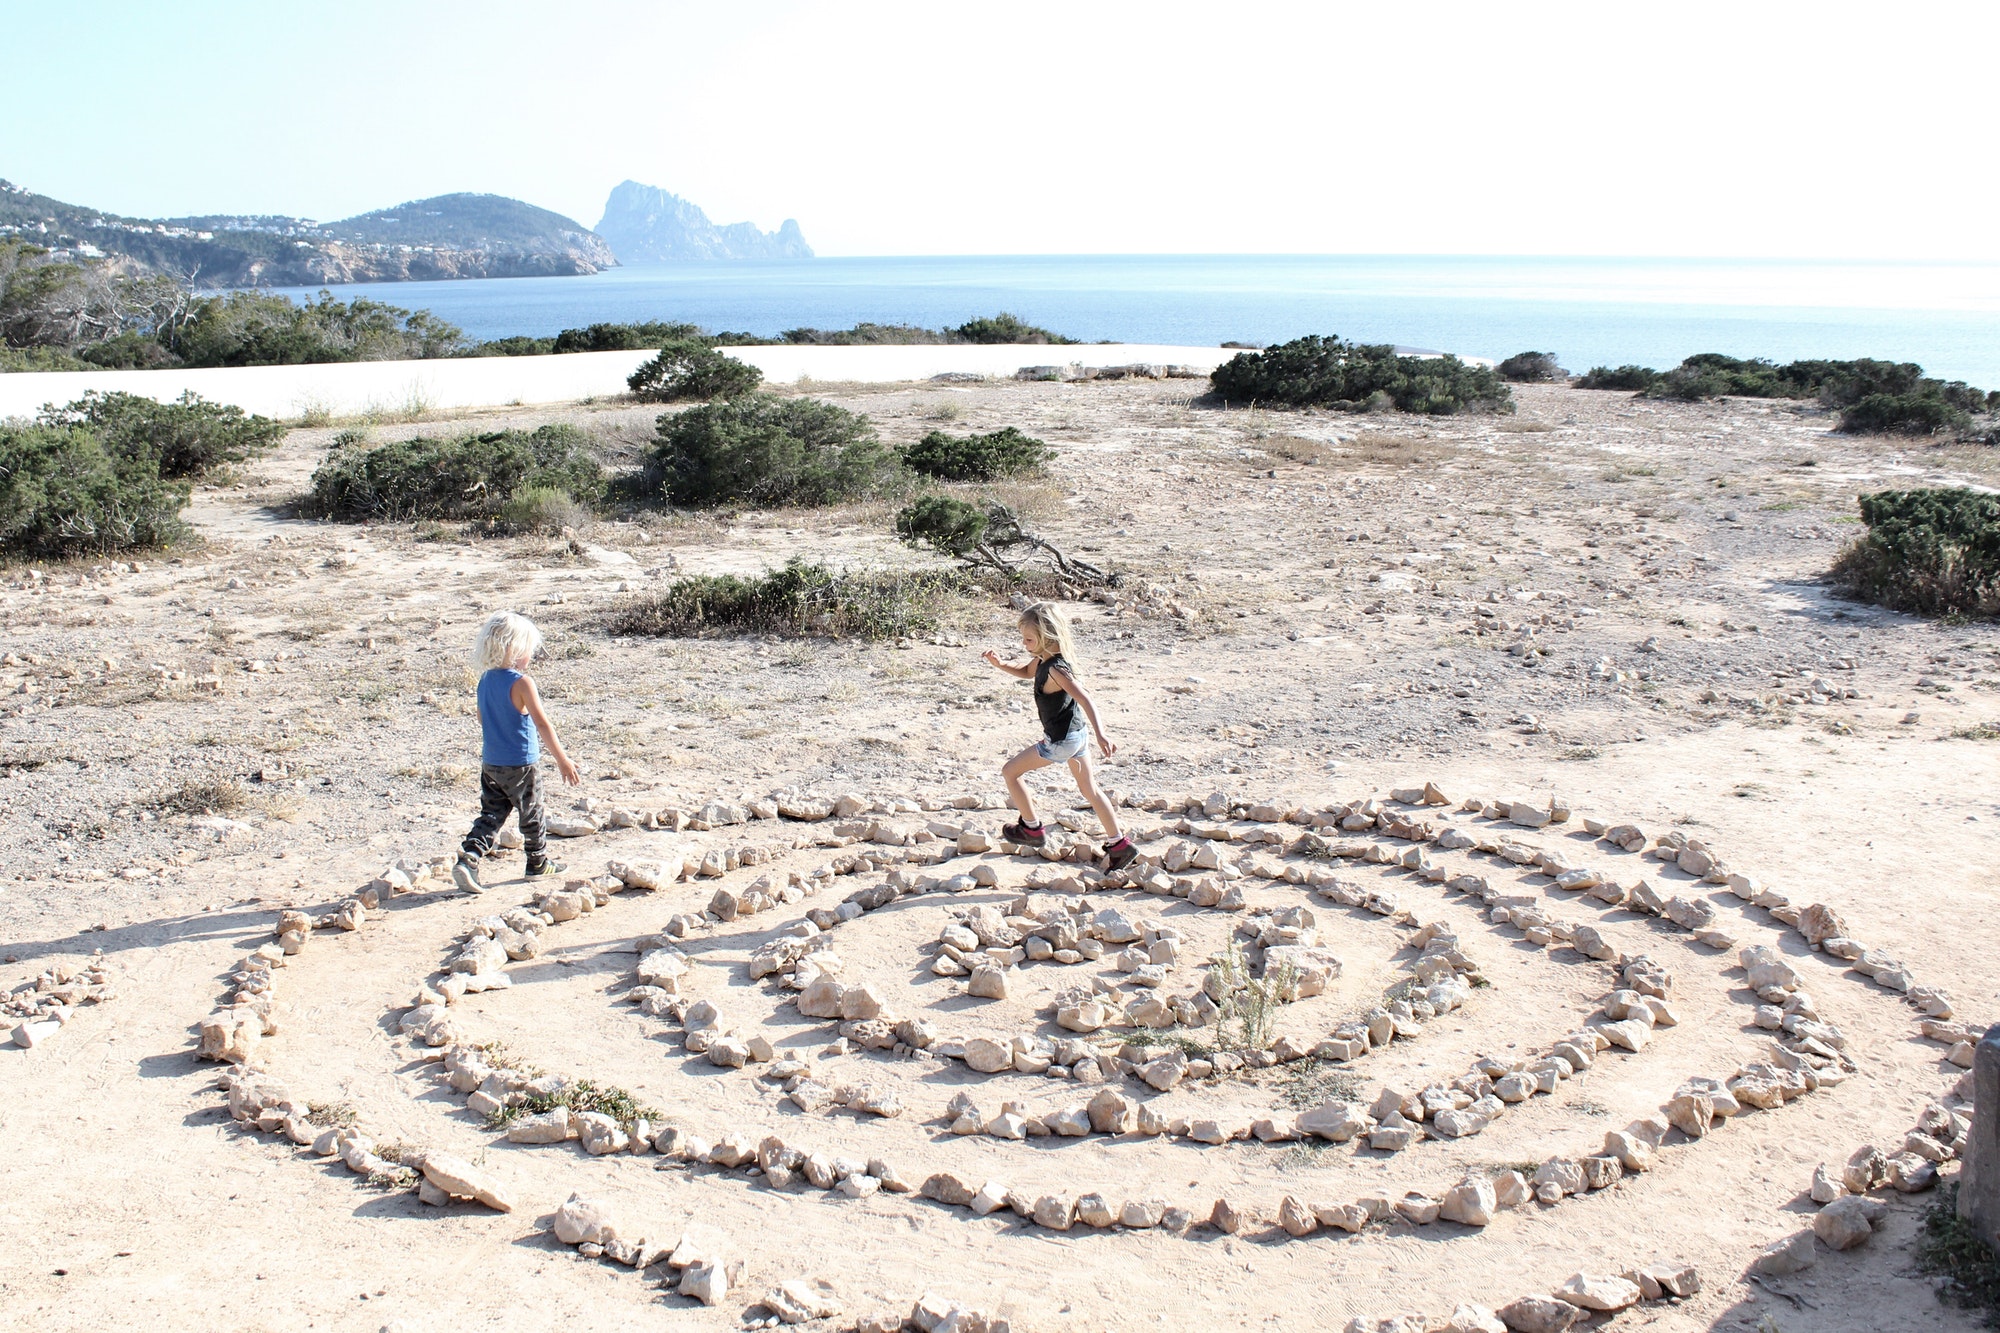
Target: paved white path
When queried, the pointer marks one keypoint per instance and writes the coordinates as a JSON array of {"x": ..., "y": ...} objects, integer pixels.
[{"x": 358, "y": 387}]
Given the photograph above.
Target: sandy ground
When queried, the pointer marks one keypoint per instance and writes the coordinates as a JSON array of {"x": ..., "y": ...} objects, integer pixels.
[{"x": 1350, "y": 588}]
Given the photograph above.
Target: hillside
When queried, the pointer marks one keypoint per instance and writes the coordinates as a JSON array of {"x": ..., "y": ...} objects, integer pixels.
[
  {"x": 647, "y": 225},
  {"x": 450, "y": 236}
]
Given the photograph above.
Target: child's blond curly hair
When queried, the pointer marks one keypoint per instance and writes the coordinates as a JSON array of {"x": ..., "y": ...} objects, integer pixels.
[
  {"x": 1049, "y": 627},
  {"x": 505, "y": 640}
]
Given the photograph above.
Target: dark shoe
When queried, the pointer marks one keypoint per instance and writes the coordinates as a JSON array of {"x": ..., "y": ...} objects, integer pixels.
[
  {"x": 1022, "y": 835},
  {"x": 466, "y": 876},
  {"x": 1118, "y": 855},
  {"x": 538, "y": 869}
]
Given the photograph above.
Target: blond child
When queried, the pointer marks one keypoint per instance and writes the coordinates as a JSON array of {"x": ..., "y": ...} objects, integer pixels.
[
  {"x": 514, "y": 729},
  {"x": 1066, "y": 709}
]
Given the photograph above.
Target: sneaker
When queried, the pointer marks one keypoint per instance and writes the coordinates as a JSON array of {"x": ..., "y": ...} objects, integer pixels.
[
  {"x": 1024, "y": 835},
  {"x": 537, "y": 869},
  {"x": 467, "y": 878},
  {"x": 1119, "y": 854}
]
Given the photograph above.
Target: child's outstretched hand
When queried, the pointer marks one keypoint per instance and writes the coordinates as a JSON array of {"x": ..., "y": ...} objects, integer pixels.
[
  {"x": 572, "y": 777},
  {"x": 990, "y": 657}
]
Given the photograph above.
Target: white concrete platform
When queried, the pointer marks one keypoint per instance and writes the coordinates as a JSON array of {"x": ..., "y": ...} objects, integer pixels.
[{"x": 358, "y": 387}]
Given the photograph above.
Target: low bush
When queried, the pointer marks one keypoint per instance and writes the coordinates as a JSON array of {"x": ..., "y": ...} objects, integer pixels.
[
  {"x": 943, "y": 523},
  {"x": 1632, "y": 378},
  {"x": 130, "y": 350},
  {"x": 472, "y": 476},
  {"x": 517, "y": 345},
  {"x": 1003, "y": 453},
  {"x": 189, "y": 437},
  {"x": 62, "y": 493},
  {"x": 266, "y": 329},
  {"x": 799, "y": 600},
  {"x": 1329, "y": 372},
  {"x": 14, "y": 359},
  {"x": 541, "y": 509},
  {"x": 1903, "y": 414},
  {"x": 1910, "y": 402},
  {"x": 864, "y": 335},
  {"x": 989, "y": 540},
  {"x": 1004, "y": 328},
  {"x": 623, "y": 337},
  {"x": 763, "y": 450},
  {"x": 688, "y": 369},
  {"x": 1931, "y": 552},
  {"x": 1531, "y": 368}
]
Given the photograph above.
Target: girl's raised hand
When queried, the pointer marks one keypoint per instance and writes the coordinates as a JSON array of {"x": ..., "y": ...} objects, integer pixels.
[{"x": 990, "y": 657}]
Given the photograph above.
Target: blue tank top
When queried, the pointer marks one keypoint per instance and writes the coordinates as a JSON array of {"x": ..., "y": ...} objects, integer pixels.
[{"x": 509, "y": 738}]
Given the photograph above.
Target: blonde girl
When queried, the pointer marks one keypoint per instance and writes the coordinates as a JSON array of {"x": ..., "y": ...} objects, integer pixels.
[
  {"x": 513, "y": 730},
  {"x": 1066, "y": 709}
]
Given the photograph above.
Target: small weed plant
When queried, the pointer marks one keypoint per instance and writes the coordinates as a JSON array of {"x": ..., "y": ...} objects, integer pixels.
[{"x": 582, "y": 1096}]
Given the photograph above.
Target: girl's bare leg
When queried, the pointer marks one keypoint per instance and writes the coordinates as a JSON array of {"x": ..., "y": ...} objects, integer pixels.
[
  {"x": 1086, "y": 782},
  {"x": 1016, "y": 768}
]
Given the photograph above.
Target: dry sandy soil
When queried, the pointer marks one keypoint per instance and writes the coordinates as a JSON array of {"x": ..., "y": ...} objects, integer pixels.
[{"x": 1350, "y": 589}]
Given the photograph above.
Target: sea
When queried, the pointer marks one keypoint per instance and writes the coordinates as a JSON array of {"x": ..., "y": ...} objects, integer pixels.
[{"x": 1587, "y": 311}]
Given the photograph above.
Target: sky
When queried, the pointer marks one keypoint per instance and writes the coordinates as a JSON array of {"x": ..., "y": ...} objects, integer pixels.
[{"x": 1757, "y": 128}]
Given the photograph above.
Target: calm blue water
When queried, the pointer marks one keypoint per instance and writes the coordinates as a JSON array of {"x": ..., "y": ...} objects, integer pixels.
[{"x": 1587, "y": 311}]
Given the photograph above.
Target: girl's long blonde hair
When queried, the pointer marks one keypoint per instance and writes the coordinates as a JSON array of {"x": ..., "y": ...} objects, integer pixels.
[{"x": 1049, "y": 626}]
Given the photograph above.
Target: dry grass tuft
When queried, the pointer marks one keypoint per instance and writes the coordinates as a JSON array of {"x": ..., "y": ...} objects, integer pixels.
[
  {"x": 1298, "y": 449},
  {"x": 205, "y": 795},
  {"x": 1377, "y": 449}
]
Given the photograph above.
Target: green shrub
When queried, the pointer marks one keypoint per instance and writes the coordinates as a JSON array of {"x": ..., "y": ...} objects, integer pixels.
[
  {"x": 62, "y": 493},
  {"x": 943, "y": 523},
  {"x": 265, "y": 329},
  {"x": 764, "y": 450},
  {"x": 542, "y": 509},
  {"x": 800, "y": 599},
  {"x": 1329, "y": 372},
  {"x": 472, "y": 476},
  {"x": 39, "y": 358},
  {"x": 1634, "y": 378},
  {"x": 1841, "y": 384},
  {"x": 130, "y": 350},
  {"x": 1903, "y": 414},
  {"x": 990, "y": 540},
  {"x": 1531, "y": 368},
  {"x": 864, "y": 335},
  {"x": 1932, "y": 552},
  {"x": 623, "y": 337},
  {"x": 189, "y": 437},
  {"x": 1004, "y": 328},
  {"x": 1003, "y": 453},
  {"x": 690, "y": 369},
  {"x": 517, "y": 345}
]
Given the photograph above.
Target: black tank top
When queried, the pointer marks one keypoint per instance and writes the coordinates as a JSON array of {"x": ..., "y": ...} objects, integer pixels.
[{"x": 1058, "y": 709}]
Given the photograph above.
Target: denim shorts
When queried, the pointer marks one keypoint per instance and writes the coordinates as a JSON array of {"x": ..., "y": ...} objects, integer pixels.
[{"x": 1069, "y": 747}]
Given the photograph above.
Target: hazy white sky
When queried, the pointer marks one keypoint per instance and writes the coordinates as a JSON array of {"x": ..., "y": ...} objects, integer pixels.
[{"x": 1685, "y": 128}]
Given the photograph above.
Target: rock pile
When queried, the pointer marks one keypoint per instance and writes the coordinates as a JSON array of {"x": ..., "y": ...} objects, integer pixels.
[
  {"x": 704, "y": 1267},
  {"x": 36, "y": 1010}
]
